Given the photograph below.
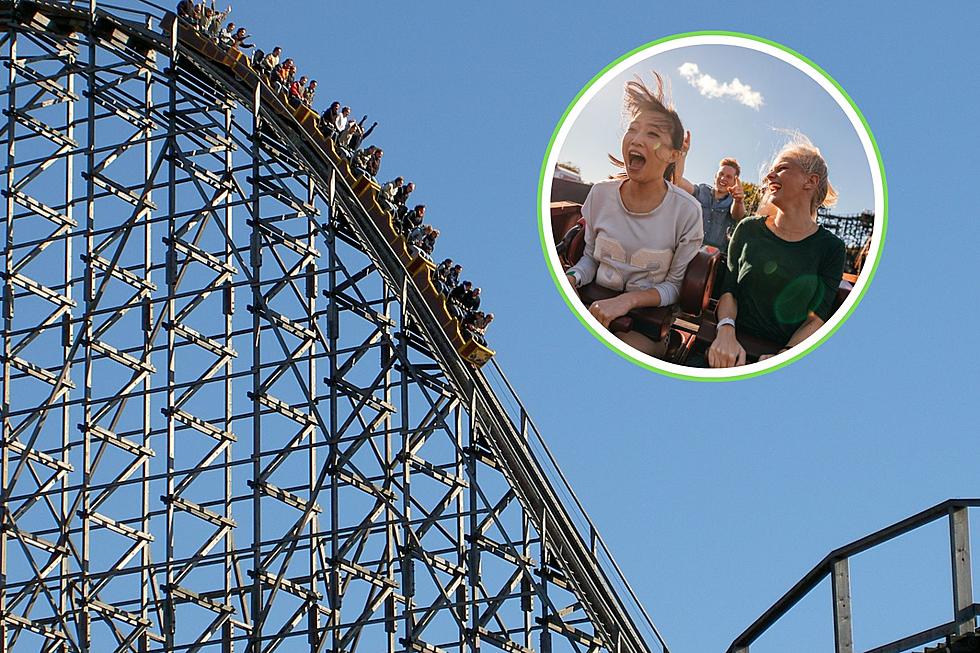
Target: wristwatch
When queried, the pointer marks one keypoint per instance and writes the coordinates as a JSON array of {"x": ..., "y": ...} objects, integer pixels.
[{"x": 723, "y": 321}]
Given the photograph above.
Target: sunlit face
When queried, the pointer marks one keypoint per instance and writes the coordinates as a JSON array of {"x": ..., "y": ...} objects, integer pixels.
[
  {"x": 787, "y": 183},
  {"x": 647, "y": 150},
  {"x": 725, "y": 178}
]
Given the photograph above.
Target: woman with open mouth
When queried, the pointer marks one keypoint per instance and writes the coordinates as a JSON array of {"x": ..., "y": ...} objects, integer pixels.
[
  {"x": 783, "y": 268},
  {"x": 641, "y": 231}
]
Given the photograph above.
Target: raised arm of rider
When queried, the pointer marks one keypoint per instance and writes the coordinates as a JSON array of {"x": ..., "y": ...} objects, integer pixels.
[
  {"x": 738, "y": 200},
  {"x": 679, "y": 179}
]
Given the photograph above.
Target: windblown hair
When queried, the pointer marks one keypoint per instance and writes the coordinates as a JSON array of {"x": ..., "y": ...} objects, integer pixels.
[
  {"x": 807, "y": 155},
  {"x": 639, "y": 98}
]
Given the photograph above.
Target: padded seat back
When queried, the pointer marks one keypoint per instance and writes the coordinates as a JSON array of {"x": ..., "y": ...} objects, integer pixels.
[
  {"x": 572, "y": 245},
  {"x": 698, "y": 280},
  {"x": 564, "y": 216}
]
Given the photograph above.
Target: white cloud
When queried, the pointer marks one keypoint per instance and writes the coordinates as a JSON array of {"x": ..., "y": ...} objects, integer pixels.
[{"x": 710, "y": 87}]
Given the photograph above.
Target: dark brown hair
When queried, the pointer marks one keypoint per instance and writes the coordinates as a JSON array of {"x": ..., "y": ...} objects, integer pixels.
[{"x": 639, "y": 98}]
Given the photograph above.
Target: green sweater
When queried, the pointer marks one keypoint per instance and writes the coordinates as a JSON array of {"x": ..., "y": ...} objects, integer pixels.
[{"x": 778, "y": 283}]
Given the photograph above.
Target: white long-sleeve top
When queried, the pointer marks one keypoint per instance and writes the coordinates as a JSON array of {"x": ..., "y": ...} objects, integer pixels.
[{"x": 627, "y": 251}]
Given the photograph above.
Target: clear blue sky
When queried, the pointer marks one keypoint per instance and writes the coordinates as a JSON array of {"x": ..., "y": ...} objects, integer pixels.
[
  {"x": 715, "y": 498},
  {"x": 751, "y": 125}
]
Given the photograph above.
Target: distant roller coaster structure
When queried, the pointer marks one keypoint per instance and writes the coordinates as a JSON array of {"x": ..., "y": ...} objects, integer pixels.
[{"x": 234, "y": 417}]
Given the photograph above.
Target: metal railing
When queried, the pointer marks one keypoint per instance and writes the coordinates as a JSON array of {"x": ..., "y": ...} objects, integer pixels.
[
  {"x": 835, "y": 565},
  {"x": 604, "y": 560}
]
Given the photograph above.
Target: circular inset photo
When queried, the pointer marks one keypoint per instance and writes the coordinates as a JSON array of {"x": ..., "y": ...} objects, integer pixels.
[{"x": 712, "y": 206}]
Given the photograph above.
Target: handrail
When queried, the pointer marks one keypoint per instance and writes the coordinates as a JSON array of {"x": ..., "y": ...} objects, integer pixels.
[
  {"x": 922, "y": 637},
  {"x": 593, "y": 533},
  {"x": 138, "y": 12},
  {"x": 576, "y": 549},
  {"x": 836, "y": 560},
  {"x": 98, "y": 5}
]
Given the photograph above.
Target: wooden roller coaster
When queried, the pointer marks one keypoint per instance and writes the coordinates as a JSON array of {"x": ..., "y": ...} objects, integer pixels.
[{"x": 419, "y": 267}]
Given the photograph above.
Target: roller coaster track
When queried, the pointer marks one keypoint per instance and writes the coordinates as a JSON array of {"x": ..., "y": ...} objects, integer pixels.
[{"x": 573, "y": 556}]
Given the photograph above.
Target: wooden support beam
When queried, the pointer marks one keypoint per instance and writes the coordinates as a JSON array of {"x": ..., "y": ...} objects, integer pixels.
[
  {"x": 841, "y": 587},
  {"x": 959, "y": 539}
]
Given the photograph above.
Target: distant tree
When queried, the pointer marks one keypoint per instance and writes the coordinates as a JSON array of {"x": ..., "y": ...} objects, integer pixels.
[
  {"x": 753, "y": 195},
  {"x": 571, "y": 167}
]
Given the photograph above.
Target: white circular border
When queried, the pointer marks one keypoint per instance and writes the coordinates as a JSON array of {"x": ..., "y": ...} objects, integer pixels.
[{"x": 876, "y": 234}]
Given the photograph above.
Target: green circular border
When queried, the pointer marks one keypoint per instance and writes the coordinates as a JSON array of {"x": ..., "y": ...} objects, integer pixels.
[{"x": 544, "y": 170}]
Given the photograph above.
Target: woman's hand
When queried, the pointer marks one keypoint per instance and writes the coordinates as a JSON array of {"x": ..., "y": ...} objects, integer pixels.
[
  {"x": 768, "y": 356},
  {"x": 726, "y": 351},
  {"x": 607, "y": 310}
]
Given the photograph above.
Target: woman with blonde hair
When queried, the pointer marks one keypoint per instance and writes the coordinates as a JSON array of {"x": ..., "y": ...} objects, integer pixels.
[{"x": 783, "y": 268}]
